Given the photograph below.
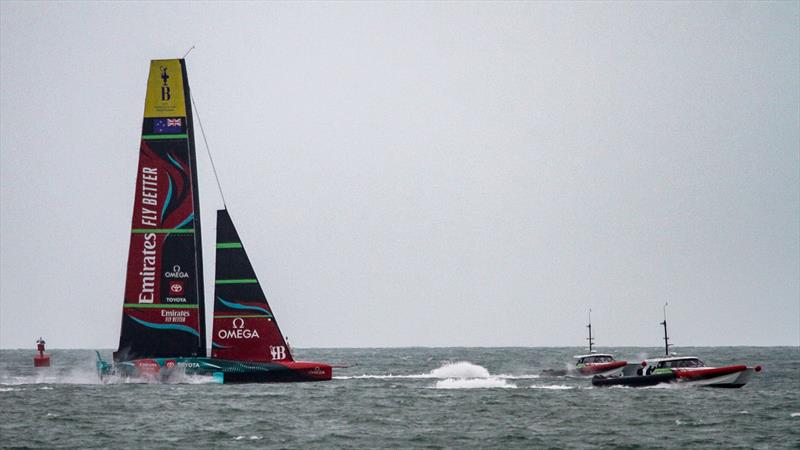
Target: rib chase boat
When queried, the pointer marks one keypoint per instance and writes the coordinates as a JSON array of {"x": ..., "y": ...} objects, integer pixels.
[
  {"x": 597, "y": 363},
  {"x": 163, "y": 313},
  {"x": 592, "y": 363},
  {"x": 683, "y": 370}
]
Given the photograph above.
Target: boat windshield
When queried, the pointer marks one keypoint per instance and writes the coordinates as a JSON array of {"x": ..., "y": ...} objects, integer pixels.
[
  {"x": 596, "y": 359},
  {"x": 678, "y": 363},
  {"x": 693, "y": 363}
]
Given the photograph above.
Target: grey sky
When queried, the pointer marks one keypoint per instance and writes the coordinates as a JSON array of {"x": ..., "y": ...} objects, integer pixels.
[{"x": 422, "y": 174}]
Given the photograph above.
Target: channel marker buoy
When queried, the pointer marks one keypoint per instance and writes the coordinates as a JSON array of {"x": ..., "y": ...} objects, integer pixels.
[{"x": 41, "y": 359}]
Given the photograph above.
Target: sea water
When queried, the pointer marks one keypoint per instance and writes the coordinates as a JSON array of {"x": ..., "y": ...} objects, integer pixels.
[{"x": 403, "y": 397}]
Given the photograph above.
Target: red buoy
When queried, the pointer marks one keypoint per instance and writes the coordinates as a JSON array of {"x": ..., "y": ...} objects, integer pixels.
[{"x": 41, "y": 360}]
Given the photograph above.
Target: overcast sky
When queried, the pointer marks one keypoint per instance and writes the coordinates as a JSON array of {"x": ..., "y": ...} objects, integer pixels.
[{"x": 422, "y": 174}]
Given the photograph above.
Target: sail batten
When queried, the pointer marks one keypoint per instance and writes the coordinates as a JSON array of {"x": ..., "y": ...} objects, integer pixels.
[{"x": 163, "y": 313}]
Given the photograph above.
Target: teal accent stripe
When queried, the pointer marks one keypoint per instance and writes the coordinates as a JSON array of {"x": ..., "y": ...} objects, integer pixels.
[
  {"x": 240, "y": 306},
  {"x": 188, "y": 219},
  {"x": 154, "y": 137},
  {"x": 176, "y": 163},
  {"x": 162, "y": 230},
  {"x": 158, "y": 305},
  {"x": 169, "y": 197},
  {"x": 242, "y": 316},
  {"x": 239, "y": 281},
  {"x": 167, "y": 327},
  {"x": 229, "y": 245}
]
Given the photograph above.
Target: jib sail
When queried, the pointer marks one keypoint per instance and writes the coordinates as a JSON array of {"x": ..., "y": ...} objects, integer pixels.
[
  {"x": 244, "y": 326},
  {"x": 163, "y": 312}
]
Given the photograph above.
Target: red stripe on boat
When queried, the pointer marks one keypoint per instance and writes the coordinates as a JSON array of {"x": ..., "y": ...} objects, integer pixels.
[
  {"x": 313, "y": 370},
  {"x": 709, "y": 372},
  {"x": 601, "y": 367}
]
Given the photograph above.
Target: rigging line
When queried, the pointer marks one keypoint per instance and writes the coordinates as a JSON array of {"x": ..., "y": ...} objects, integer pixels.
[
  {"x": 187, "y": 52},
  {"x": 208, "y": 149}
]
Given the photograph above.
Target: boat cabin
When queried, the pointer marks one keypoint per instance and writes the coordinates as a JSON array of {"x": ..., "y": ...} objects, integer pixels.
[
  {"x": 594, "y": 358},
  {"x": 675, "y": 362},
  {"x": 665, "y": 365}
]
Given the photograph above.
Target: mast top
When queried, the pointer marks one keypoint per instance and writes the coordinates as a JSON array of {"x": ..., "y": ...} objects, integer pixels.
[
  {"x": 590, "y": 338},
  {"x": 666, "y": 336}
]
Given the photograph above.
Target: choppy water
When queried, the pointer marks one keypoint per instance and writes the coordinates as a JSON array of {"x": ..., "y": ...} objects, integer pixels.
[{"x": 410, "y": 397}]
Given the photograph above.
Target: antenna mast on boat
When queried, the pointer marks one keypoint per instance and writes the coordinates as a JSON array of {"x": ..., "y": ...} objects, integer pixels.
[
  {"x": 590, "y": 339},
  {"x": 666, "y": 337}
]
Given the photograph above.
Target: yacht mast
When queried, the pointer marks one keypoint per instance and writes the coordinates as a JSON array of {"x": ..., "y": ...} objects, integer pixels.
[
  {"x": 590, "y": 339},
  {"x": 666, "y": 337}
]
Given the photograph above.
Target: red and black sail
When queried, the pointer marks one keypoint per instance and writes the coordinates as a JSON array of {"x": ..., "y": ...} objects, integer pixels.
[
  {"x": 244, "y": 326},
  {"x": 163, "y": 312}
]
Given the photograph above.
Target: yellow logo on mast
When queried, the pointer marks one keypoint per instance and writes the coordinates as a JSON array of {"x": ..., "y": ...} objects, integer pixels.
[{"x": 165, "y": 96}]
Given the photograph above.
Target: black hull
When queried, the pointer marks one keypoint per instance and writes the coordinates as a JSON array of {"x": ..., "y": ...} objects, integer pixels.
[{"x": 634, "y": 381}]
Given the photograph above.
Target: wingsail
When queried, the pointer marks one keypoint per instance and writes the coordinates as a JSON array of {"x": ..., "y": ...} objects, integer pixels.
[
  {"x": 244, "y": 326},
  {"x": 163, "y": 313}
]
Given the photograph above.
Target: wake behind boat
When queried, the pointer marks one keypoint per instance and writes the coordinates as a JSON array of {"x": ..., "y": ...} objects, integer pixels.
[
  {"x": 685, "y": 370},
  {"x": 163, "y": 315}
]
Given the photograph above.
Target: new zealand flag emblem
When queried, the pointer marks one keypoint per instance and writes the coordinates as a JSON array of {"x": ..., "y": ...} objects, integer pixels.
[{"x": 167, "y": 126}]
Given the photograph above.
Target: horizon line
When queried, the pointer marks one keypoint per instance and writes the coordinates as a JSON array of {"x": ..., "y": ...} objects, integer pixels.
[{"x": 455, "y": 346}]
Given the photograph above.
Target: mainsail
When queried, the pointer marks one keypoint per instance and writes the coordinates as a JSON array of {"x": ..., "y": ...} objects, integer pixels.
[
  {"x": 244, "y": 326},
  {"x": 163, "y": 313}
]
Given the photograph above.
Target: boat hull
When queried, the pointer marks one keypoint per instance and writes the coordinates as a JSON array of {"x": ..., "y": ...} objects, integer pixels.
[
  {"x": 221, "y": 370},
  {"x": 609, "y": 369},
  {"x": 634, "y": 380},
  {"x": 719, "y": 377}
]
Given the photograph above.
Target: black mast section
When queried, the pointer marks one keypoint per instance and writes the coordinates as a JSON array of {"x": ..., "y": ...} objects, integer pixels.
[
  {"x": 590, "y": 339},
  {"x": 666, "y": 337},
  {"x": 198, "y": 235}
]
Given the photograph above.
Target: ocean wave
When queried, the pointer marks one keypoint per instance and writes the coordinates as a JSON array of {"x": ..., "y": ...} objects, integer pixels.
[
  {"x": 381, "y": 377},
  {"x": 461, "y": 369},
  {"x": 473, "y": 383},
  {"x": 519, "y": 377},
  {"x": 452, "y": 375},
  {"x": 455, "y": 370},
  {"x": 81, "y": 373},
  {"x": 557, "y": 387},
  {"x": 175, "y": 378}
]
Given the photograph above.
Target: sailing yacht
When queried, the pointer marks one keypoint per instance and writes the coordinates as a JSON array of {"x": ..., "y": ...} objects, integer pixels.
[{"x": 163, "y": 312}]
